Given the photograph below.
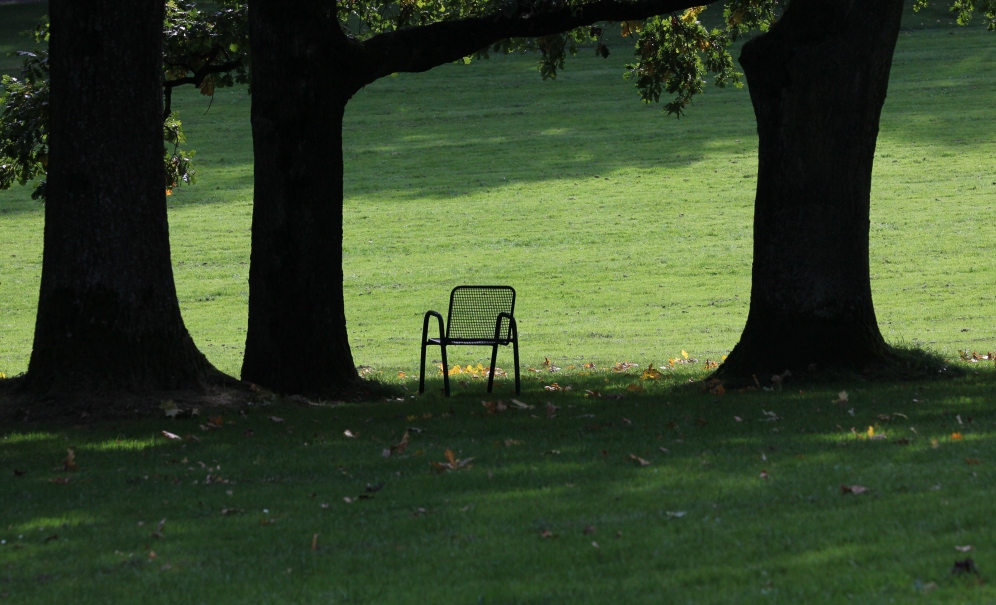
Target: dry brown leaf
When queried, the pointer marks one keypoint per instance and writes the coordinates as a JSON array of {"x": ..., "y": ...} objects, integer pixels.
[
  {"x": 638, "y": 460},
  {"x": 547, "y": 534},
  {"x": 399, "y": 448},
  {"x": 852, "y": 489},
  {"x": 452, "y": 462},
  {"x": 972, "y": 461},
  {"x": 69, "y": 463}
]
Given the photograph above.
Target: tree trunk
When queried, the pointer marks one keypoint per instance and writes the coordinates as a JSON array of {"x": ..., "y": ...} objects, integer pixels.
[
  {"x": 297, "y": 340},
  {"x": 818, "y": 80},
  {"x": 108, "y": 317}
]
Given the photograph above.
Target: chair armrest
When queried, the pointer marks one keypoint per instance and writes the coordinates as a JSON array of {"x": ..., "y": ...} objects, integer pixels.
[
  {"x": 425, "y": 325},
  {"x": 514, "y": 333}
]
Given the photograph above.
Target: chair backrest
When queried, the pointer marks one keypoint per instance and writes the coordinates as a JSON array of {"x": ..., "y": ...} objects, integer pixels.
[{"x": 474, "y": 311}]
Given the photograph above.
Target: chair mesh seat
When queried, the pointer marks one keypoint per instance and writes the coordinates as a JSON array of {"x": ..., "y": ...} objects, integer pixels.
[{"x": 474, "y": 311}]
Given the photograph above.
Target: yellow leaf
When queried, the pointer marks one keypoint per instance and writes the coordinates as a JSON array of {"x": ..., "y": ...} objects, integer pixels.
[
  {"x": 691, "y": 15},
  {"x": 401, "y": 374},
  {"x": 684, "y": 354},
  {"x": 871, "y": 431},
  {"x": 652, "y": 374}
]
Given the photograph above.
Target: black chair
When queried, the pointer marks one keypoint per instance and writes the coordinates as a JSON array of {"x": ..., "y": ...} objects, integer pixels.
[{"x": 478, "y": 315}]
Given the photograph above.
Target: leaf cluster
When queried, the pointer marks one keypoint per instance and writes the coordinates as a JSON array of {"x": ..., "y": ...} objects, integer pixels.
[
  {"x": 964, "y": 9},
  {"x": 24, "y": 119},
  {"x": 674, "y": 53}
]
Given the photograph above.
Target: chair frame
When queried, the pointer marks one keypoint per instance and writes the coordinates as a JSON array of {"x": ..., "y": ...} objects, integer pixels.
[{"x": 502, "y": 336}]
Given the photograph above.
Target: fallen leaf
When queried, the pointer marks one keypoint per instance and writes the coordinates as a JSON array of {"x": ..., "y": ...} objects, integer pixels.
[
  {"x": 965, "y": 548},
  {"x": 521, "y": 405},
  {"x": 764, "y": 474},
  {"x": 62, "y": 480},
  {"x": 546, "y": 533},
  {"x": 635, "y": 388},
  {"x": 595, "y": 544},
  {"x": 738, "y": 418},
  {"x": 934, "y": 444},
  {"x": 159, "y": 530},
  {"x": 592, "y": 394},
  {"x": 400, "y": 375},
  {"x": 347, "y": 500},
  {"x": 314, "y": 542},
  {"x": 230, "y": 511},
  {"x": 69, "y": 463},
  {"x": 399, "y": 448},
  {"x": 638, "y": 460},
  {"x": 677, "y": 514},
  {"x": 972, "y": 461},
  {"x": 275, "y": 418},
  {"x": 554, "y": 387},
  {"x": 852, "y": 489},
  {"x": 169, "y": 408},
  {"x": 719, "y": 389},
  {"x": 956, "y": 436},
  {"x": 651, "y": 373},
  {"x": 216, "y": 421},
  {"x": 152, "y": 555},
  {"x": 452, "y": 462},
  {"x": 841, "y": 398},
  {"x": 551, "y": 410},
  {"x": 349, "y": 434},
  {"x": 170, "y": 435}
]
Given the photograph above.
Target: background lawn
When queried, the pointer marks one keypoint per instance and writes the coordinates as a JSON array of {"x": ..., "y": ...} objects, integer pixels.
[
  {"x": 628, "y": 237},
  {"x": 626, "y": 233}
]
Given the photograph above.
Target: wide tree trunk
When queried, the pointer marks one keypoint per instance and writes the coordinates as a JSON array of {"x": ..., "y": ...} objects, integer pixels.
[
  {"x": 297, "y": 340},
  {"x": 818, "y": 80},
  {"x": 108, "y": 317}
]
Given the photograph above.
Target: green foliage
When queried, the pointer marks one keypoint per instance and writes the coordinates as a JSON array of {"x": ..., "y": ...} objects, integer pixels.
[
  {"x": 179, "y": 162},
  {"x": 209, "y": 49},
  {"x": 964, "y": 9},
  {"x": 675, "y": 53},
  {"x": 24, "y": 119}
]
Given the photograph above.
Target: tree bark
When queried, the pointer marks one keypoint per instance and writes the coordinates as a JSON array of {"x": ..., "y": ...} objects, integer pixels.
[
  {"x": 297, "y": 340},
  {"x": 817, "y": 80},
  {"x": 108, "y": 317}
]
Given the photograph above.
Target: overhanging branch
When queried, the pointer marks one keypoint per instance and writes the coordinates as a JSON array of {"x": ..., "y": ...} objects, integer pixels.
[{"x": 422, "y": 48}]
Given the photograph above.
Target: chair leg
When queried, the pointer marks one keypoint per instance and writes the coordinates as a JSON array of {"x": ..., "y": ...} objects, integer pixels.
[
  {"x": 494, "y": 360},
  {"x": 421, "y": 374},
  {"x": 515, "y": 349},
  {"x": 446, "y": 371}
]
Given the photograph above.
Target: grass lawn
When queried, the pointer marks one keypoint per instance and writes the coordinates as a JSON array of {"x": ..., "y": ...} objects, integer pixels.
[{"x": 628, "y": 237}]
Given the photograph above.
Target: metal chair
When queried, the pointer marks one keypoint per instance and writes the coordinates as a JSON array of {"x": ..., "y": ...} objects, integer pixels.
[{"x": 478, "y": 315}]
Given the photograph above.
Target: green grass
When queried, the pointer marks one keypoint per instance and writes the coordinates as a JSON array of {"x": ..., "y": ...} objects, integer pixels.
[
  {"x": 699, "y": 524},
  {"x": 628, "y": 237}
]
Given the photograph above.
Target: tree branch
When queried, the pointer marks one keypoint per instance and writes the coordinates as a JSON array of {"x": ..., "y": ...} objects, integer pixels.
[{"x": 422, "y": 48}]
